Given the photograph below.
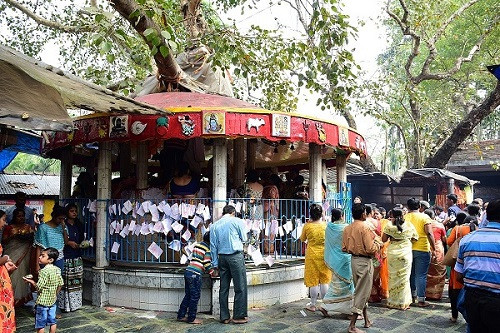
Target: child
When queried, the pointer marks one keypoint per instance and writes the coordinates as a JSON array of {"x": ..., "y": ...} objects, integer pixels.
[
  {"x": 49, "y": 284},
  {"x": 200, "y": 263}
]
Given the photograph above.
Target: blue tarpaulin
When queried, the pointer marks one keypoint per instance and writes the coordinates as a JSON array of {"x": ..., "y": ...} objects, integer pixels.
[{"x": 23, "y": 142}]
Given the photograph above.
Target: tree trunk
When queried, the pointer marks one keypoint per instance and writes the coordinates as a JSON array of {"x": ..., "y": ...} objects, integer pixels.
[
  {"x": 168, "y": 69},
  {"x": 462, "y": 131}
]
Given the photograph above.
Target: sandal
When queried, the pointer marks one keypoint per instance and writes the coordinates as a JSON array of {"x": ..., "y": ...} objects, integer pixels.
[
  {"x": 324, "y": 312},
  {"x": 311, "y": 308}
]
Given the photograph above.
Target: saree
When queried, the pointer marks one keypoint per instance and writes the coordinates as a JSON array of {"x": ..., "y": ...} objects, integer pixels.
[
  {"x": 399, "y": 259},
  {"x": 437, "y": 271},
  {"x": 18, "y": 245},
  {"x": 340, "y": 294},
  {"x": 70, "y": 297},
  {"x": 7, "y": 311},
  {"x": 380, "y": 287}
]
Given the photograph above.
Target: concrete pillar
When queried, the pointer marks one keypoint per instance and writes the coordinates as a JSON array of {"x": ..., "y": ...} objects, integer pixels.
[
  {"x": 239, "y": 162},
  {"x": 341, "y": 163},
  {"x": 315, "y": 173},
  {"x": 100, "y": 294},
  {"x": 251, "y": 153},
  {"x": 324, "y": 172},
  {"x": 125, "y": 160},
  {"x": 66, "y": 173},
  {"x": 219, "y": 177},
  {"x": 215, "y": 297},
  {"x": 451, "y": 185},
  {"x": 142, "y": 165},
  {"x": 103, "y": 195}
]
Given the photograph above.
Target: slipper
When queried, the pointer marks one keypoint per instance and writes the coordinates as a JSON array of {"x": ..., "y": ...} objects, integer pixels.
[
  {"x": 182, "y": 319},
  {"x": 58, "y": 316},
  {"x": 423, "y": 304},
  {"x": 240, "y": 321},
  {"x": 324, "y": 312},
  {"x": 225, "y": 321},
  {"x": 311, "y": 308},
  {"x": 453, "y": 320}
]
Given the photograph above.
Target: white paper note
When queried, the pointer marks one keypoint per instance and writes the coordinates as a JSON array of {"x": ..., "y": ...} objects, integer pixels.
[
  {"x": 206, "y": 213},
  {"x": 91, "y": 242},
  {"x": 127, "y": 207},
  {"x": 145, "y": 229},
  {"x": 131, "y": 227},
  {"x": 238, "y": 207},
  {"x": 274, "y": 227},
  {"x": 196, "y": 221},
  {"x": 115, "y": 247},
  {"x": 175, "y": 245},
  {"x": 175, "y": 212},
  {"x": 167, "y": 209},
  {"x": 177, "y": 227},
  {"x": 145, "y": 206},
  {"x": 155, "y": 215},
  {"x": 256, "y": 225},
  {"x": 137, "y": 230},
  {"x": 270, "y": 261},
  {"x": 140, "y": 211},
  {"x": 288, "y": 226},
  {"x": 281, "y": 232},
  {"x": 167, "y": 225},
  {"x": 184, "y": 259},
  {"x": 161, "y": 205},
  {"x": 93, "y": 206},
  {"x": 257, "y": 257},
  {"x": 200, "y": 208},
  {"x": 267, "y": 229},
  {"x": 186, "y": 235},
  {"x": 297, "y": 232},
  {"x": 155, "y": 250},
  {"x": 158, "y": 227}
]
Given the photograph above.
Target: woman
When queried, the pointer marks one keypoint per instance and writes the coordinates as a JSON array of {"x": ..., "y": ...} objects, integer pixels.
[
  {"x": 399, "y": 259},
  {"x": 183, "y": 185},
  {"x": 18, "y": 243},
  {"x": 7, "y": 312},
  {"x": 71, "y": 297},
  {"x": 316, "y": 275},
  {"x": 380, "y": 288},
  {"x": 339, "y": 296},
  {"x": 437, "y": 271},
  {"x": 461, "y": 229}
]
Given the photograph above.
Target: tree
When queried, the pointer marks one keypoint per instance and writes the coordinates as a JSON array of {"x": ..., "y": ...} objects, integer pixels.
[{"x": 434, "y": 87}]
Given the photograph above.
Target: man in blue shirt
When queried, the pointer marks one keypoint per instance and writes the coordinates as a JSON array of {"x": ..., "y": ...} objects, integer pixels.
[
  {"x": 478, "y": 267},
  {"x": 227, "y": 236}
]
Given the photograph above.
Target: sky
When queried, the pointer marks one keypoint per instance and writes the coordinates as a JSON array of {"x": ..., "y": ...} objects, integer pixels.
[{"x": 364, "y": 15}]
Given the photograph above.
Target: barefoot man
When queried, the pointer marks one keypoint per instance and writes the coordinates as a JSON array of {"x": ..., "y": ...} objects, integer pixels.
[{"x": 362, "y": 243}]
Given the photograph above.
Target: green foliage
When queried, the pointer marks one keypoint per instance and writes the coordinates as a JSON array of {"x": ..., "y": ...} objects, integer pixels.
[
  {"x": 275, "y": 65},
  {"x": 26, "y": 163},
  {"x": 427, "y": 110}
]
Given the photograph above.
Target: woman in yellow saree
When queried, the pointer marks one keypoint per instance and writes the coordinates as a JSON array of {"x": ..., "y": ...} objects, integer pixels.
[{"x": 399, "y": 259}]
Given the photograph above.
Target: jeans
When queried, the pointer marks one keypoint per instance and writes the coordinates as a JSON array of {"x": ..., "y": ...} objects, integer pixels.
[
  {"x": 232, "y": 267},
  {"x": 418, "y": 277},
  {"x": 192, "y": 287}
]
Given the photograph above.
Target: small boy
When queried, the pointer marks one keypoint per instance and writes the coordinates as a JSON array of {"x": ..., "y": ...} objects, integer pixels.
[
  {"x": 48, "y": 286},
  {"x": 200, "y": 263}
]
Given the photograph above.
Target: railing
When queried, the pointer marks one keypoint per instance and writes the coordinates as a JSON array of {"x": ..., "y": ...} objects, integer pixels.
[{"x": 168, "y": 229}]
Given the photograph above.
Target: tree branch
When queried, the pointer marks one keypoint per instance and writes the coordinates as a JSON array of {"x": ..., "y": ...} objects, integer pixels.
[
  {"x": 464, "y": 129},
  {"x": 48, "y": 23}
]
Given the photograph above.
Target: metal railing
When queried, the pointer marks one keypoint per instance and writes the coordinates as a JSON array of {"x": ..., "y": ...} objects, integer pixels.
[{"x": 273, "y": 225}]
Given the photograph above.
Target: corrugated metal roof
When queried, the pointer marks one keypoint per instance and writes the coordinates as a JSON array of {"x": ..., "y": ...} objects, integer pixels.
[{"x": 30, "y": 184}]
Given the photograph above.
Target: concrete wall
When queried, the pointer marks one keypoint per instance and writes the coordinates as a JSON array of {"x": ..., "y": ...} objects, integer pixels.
[{"x": 159, "y": 291}]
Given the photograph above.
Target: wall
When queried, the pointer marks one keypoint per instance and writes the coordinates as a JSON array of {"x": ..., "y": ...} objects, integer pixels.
[{"x": 163, "y": 291}]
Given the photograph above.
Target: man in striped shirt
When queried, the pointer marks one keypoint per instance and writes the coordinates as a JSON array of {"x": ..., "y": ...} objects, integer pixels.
[
  {"x": 200, "y": 263},
  {"x": 478, "y": 267}
]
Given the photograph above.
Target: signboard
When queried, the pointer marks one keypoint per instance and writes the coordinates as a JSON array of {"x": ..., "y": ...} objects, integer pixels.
[
  {"x": 214, "y": 122},
  {"x": 281, "y": 125},
  {"x": 343, "y": 136}
]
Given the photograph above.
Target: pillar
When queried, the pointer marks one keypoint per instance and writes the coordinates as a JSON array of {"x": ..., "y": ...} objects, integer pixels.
[
  {"x": 125, "y": 160},
  {"x": 239, "y": 162},
  {"x": 100, "y": 294},
  {"x": 324, "y": 172},
  {"x": 451, "y": 185},
  {"x": 142, "y": 165},
  {"x": 65, "y": 179},
  {"x": 341, "y": 163},
  {"x": 315, "y": 173},
  {"x": 219, "y": 178},
  {"x": 251, "y": 153}
]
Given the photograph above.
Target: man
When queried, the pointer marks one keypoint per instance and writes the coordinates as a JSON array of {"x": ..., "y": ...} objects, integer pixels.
[
  {"x": 421, "y": 248},
  {"x": 227, "y": 236},
  {"x": 478, "y": 267},
  {"x": 423, "y": 206},
  {"x": 20, "y": 199},
  {"x": 359, "y": 240},
  {"x": 453, "y": 209}
]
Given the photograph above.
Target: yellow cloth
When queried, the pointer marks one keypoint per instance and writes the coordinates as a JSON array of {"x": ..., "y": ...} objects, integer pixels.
[
  {"x": 315, "y": 271},
  {"x": 419, "y": 220}
]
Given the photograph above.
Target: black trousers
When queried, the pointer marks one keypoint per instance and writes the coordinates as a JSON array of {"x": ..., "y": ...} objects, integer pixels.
[
  {"x": 483, "y": 310},
  {"x": 453, "y": 294}
]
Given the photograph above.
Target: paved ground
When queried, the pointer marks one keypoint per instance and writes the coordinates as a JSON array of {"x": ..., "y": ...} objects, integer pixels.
[{"x": 279, "y": 318}]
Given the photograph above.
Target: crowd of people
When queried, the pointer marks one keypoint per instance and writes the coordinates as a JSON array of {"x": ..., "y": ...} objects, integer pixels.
[
  {"x": 399, "y": 259},
  {"x": 27, "y": 249}
]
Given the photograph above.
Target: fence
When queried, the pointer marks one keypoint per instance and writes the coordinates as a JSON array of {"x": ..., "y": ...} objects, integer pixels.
[{"x": 164, "y": 231}]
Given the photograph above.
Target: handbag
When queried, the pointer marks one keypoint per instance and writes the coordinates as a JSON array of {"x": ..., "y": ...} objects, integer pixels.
[{"x": 450, "y": 258}]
